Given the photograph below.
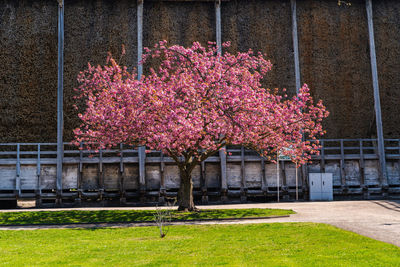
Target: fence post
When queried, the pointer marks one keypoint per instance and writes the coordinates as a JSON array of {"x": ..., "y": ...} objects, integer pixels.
[
  {"x": 121, "y": 177},
  {"x": 18, "y": 173},
  {"x": 142, "y": 172},
  {"x": 38, "y": 193},
  {"x": 243, "y": 186},
  {"x": 342, "y": 168},
  {"x": 224, "y": 183},
  {"x": 364, "y": 185},
  {"x": 264, "y": 185},
  {"x": 162, "y": 193},
  {"x": 203, "y": 182}
]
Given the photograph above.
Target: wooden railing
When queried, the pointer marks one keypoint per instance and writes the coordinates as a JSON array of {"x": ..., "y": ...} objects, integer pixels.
[{"x": 27, "y": 170}]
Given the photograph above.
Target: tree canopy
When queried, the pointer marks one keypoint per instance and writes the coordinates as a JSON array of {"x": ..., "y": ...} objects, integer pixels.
[{"x": 196, "y": 102}]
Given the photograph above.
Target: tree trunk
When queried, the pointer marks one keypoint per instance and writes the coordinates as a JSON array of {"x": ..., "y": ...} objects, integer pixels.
[{"x": 185, "y": 194}]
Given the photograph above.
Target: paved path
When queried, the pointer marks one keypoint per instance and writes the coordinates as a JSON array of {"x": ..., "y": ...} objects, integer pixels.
[{"x": 377, "y": 219}]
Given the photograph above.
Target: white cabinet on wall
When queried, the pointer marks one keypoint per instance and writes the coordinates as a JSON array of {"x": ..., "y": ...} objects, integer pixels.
[{"x": 321, "y": 187}]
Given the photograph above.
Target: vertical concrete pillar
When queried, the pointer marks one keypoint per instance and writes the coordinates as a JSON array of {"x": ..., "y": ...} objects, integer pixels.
[
  {"x": 60, "y": 89},
  {"x": 142, "y": 149},
  {"x": 377, "y": 102},
  {"x": 295, "y": 45},
  {"x": 222, "y": 152},
  {"x": 218, "y": 25},
  {"x": 139, "y": 37}
]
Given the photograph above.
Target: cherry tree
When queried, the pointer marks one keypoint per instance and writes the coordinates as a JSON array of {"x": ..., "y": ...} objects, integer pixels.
[{"x": 192, "y": 105}]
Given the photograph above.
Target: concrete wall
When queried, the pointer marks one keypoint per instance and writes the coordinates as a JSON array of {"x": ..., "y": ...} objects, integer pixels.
[{"x": 334, "y": 54}]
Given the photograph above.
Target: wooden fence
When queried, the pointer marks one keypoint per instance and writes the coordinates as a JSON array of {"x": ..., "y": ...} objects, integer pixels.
[{"x": 129, "y": 175}]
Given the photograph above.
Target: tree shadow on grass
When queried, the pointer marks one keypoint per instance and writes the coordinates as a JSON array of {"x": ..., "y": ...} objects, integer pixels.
[{"x": 66, "y": 217}]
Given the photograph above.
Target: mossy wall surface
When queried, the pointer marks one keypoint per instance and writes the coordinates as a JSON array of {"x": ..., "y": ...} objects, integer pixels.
[
  {"x": 92, "y": 29},
  {"x": 263, "y": 26},
  {"x": 335, "y": 62},
  {"x": 387, "y": 34},
  {"x": 28, "y": 70},
  {"x": 333, "y": 43}
]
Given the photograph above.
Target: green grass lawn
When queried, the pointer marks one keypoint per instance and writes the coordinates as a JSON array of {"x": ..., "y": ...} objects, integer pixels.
[
  {"x": 276, "y": 244},
  {"x": 119, "y": 216}
]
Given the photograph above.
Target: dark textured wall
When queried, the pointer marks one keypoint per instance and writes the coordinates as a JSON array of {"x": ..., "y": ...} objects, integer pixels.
[
  {"x": 262, "y": 26},
  {"x": 28, "y": 70},
  {"x": 335, "y": 62},
  {"x": 387, "y": 34},
  {"x": 92, "y": 29},
  {"x": 334, "y": 54},
  {"x": 179, "y": 23}
]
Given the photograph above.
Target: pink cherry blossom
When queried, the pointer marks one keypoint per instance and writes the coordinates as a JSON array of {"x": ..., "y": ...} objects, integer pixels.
[{"x": 194, "y": 103}]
